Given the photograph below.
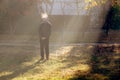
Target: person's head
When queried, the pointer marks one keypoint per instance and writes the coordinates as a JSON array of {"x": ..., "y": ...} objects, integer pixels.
[{"x": 44, "y": 16}]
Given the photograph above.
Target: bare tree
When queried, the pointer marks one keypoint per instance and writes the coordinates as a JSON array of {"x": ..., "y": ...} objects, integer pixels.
[{"x": 45, "y": 6}]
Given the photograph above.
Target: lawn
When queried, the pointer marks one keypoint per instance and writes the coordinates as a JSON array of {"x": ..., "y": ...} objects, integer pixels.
[{"x": 80, "y": 62}]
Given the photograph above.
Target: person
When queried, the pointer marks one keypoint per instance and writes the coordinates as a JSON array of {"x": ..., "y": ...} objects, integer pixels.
[{"x": 44, "y": 33}]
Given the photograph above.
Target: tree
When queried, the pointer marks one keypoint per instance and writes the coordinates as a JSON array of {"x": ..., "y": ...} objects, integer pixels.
[{"x": 115, "y": 19}]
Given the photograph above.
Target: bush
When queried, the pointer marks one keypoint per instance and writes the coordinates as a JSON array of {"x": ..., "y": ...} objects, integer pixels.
[
  {"x": 112, "y": 20},
  {"x": 115, "y": 21}
]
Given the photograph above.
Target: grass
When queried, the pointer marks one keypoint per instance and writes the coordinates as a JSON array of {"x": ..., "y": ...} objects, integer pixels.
[{"x": 66, "y": 63}]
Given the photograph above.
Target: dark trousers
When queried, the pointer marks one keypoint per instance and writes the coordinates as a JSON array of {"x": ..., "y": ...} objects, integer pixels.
[{"x": 44, "y": 48}]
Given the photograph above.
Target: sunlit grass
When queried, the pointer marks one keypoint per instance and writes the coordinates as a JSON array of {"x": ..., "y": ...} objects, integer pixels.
[
  {"x": 22, "y": 63},
  {"x": 52, "y": 70},
  {"x": 5, "y": 73}
]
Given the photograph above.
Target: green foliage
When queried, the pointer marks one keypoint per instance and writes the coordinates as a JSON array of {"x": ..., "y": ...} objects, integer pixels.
[{"x": 115, "y": 19}]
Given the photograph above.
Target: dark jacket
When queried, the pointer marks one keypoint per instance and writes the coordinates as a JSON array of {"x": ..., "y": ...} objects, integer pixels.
[{"x": 45, "y": 29}]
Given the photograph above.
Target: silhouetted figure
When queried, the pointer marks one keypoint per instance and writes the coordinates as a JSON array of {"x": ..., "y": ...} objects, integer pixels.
[
  {"x": 108, "y": 21},
  {"x": 44, "y": 32}
]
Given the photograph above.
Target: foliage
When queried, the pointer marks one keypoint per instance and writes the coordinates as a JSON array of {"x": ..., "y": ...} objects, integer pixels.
[
  {"x": 115, "y": 22},
  {"x": 113, "y": 18}
]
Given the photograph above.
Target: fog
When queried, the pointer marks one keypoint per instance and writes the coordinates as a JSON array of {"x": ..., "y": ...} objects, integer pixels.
[{"x": 72, "y": 21}]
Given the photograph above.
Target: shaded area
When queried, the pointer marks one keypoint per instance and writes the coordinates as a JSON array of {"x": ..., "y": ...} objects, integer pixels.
[
  {"x": 112, "y": 21},
  {"x": 105, "y": 64},
  {"x": 106, "y": 61}
]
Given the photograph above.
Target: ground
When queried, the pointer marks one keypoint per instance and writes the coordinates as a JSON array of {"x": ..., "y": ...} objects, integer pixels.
[{"x": 67, "y": 62}]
